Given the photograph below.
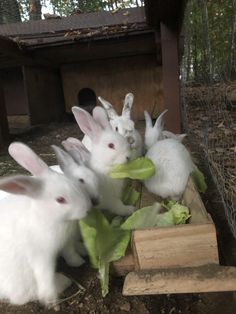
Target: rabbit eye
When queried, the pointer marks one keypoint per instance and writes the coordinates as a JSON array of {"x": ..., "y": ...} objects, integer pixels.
[
  {"x": 116, "y": 129},
  {"x": 81, "y": 180},
  {"x": 111, "y": 145},
  {"x": 61, "y": 200}
]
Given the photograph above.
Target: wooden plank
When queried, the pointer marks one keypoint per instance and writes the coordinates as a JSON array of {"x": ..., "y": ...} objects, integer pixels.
[
  {"x": 170, "y": 68},
  {"x": 179, "y": 246},
  {"x": 193, "y": 201},
  {"x": 124, "y": 265},
  {"x": 208, "y": 278}
]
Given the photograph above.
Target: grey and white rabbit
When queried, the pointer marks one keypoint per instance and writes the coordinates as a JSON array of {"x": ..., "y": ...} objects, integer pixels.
[
  {"x": 108, "y": 148},
  {"x": 123, "y": 124},
  {"x": 172, "y": 161},
  {"x": 34, "y": 223}
]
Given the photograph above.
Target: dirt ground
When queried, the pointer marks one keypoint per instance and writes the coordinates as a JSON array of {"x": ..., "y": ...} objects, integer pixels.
[{"x": 90, "y": 300}]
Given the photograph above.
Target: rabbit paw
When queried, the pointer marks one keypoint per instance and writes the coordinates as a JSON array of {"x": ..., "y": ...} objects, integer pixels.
[
  {"x": 74, "y": 260},
  {"x": 62, "y": 282}
]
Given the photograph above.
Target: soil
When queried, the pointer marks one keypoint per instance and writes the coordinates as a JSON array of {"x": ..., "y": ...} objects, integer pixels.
[{"x": 90, "y": 300}]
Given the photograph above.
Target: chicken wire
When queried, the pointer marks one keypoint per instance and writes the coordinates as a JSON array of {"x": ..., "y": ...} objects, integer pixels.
[{"x": 209, "y": 102}]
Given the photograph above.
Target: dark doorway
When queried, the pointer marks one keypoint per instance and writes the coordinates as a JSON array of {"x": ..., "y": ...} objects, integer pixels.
[{"x": 87, "y": 99}]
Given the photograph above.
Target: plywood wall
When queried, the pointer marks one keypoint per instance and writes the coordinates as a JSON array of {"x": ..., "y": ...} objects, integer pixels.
[{"x": 113, "y": 78}]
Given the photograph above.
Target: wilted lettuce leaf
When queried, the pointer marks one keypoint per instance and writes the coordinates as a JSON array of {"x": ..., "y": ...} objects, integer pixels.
[
  {"x": 141, "y": 169},
  {"x": 149, "y": 217},
  {"x": 199, "y": 180},
  {"x": 105, "y": 243},
  {"x": 142, "y": 218},
  {"x": 130, "y": 195}
]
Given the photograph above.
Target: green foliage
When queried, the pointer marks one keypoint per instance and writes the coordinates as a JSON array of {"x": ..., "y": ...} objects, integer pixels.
[
  {"x": 105, "y": 243},
  {"x": 199, "y": 180},
  {"x": 210, "y": 34}
]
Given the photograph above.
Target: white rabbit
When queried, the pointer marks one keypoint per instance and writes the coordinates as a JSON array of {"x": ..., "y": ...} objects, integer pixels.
[
  {"x": 124, "y": 125},
  {"x": 173, "y": 164},
  {"x": 34, "y": 223},
  {"x": 156, "y": 133},
  {"x": 108, "y": 148},
  {"x": 75, "y": 168}
]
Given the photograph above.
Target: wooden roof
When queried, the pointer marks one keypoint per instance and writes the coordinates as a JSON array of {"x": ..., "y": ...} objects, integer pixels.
[{"x": 76, "y": 27}]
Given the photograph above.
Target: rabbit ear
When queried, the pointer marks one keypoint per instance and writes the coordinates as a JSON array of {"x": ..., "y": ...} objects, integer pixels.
[
  {"x": 180, "y": 137},
  {"x": 128, "y": 102},
  {"x": 112, "y": 114},
  {"x": 159, "y": 124},
  {"x": 23, "y": 185},
  {"x": 63, "y": 158},
  {"x": 87, "y": 123},
  {"x": 27, "y": 158},
  {"x": 77, "y": 150},
  {"x": 148, "y": 120},
  {"x": 100, "y": 116}
]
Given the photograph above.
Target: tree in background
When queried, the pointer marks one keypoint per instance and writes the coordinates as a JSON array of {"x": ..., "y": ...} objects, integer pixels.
[
  {"x": 9, "y": 11},
  {"x": 210, "y": 36}
]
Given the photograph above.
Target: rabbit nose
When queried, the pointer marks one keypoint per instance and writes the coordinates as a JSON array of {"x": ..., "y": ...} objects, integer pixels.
[
  {"x": 130, "y": 139},
  {"x": 94, "y": 201}
]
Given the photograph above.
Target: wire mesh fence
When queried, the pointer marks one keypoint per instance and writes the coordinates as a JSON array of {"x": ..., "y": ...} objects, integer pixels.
[{"x": 209, "y": 92}]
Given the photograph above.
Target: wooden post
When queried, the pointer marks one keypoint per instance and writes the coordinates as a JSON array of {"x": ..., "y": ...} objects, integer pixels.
[
  {"x": 170, "y": 66},
  {"x": 4, "y": 131}
]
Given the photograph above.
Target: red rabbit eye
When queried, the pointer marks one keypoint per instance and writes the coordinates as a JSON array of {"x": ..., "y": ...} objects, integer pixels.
[
  {"x": 111, "y": 145},
  {"x": 61, "y": 200}
]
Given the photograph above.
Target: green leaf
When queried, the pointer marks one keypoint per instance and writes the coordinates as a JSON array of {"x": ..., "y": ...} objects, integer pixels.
[
  {"x": 142, "y": 218},
  {"x": 105, "y": 243},
  {"x": 130, "y": 196},
  {"x": 199, "y": 180},
  {"x": 141, "y": 169}
]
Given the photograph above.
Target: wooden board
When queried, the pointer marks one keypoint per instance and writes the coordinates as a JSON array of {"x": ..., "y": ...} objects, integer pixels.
[
  {"x": 193, "y": 201},
  {"x": 208, "y": 278},
  {"x": 179, "y": 246}
]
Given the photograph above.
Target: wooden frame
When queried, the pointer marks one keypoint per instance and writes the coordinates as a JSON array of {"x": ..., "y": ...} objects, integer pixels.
[{"x": 178, "y": 259}]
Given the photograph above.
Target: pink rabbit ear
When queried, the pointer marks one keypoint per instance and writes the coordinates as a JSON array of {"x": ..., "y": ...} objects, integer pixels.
[
  {"x": 87, "y": 123},
  {"x": 100, "y": 116},
  {"x": 27, "y": 158},
  {"x": 24, "y": 185}
]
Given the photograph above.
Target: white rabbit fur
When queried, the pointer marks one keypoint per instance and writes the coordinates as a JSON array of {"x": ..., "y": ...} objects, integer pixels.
[
  {"x": 34, "y": 224},
  {"x": 108, "y": 148},
  {"x": 156, "y": 133},
  {"x": 75, "y": 168},
  {"x": 173, "y": 166},
  {"x": 123, "y": 125}
]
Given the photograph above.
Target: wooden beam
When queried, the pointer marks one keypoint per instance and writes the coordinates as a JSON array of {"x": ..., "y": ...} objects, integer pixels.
[
  {"x": 4, "y": 131},
  {"x": 208, "y": 278},
  {"x": 171, "y": 83}
]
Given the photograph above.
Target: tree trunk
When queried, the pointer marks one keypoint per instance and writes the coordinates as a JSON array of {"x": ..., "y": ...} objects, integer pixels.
[
  {"x": 208, "y": 59},
  {"x": 9, "y": 11},
  {"x": 35, "y": 9},
  {"x": 232, "y": 45}
]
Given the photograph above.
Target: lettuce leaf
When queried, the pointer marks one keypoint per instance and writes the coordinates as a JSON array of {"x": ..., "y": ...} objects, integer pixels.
[
  {"x": 141, "y": 169},
  {"x": 105, "y": 243},
  {"x": 142, "y": 218},
  {"x": 130, "y": 195},
  {"x": 199, "y": 180}
]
